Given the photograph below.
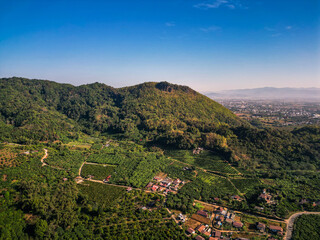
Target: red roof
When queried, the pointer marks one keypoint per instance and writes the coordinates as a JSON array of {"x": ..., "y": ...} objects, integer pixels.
[
  {"x": 190, "y": 230},
  {"x": 217, "y": 234},
  {"x": 199, "y": 238},
  {"x": 206, "y": 233},
  {"x": 237, "y": 224},
  {"x": 202, "y": 213},
  {"x": 261, "y": 225},
  {"x": 275, "y": 228},
  {"x": 155, "y": 187},
  {"x": 200, "y": 228}
]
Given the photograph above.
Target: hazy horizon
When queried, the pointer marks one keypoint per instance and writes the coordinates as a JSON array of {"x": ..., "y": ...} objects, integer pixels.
[{"x": 208, "y": 45}]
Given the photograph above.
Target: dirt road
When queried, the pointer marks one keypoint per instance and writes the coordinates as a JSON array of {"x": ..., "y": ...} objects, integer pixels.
[{"x": 44, "y": 157}]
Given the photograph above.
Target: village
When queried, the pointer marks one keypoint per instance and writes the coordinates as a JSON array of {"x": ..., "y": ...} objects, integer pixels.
[
  {"x": 163, "y": 184},
  {"x": 215, "y": 222},
  {"x": 211, "y": 221}
]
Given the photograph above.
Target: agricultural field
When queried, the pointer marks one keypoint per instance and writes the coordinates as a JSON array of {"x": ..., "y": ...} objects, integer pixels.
[
  {"x": 132, "y": 169},
  {"x": 307, "y": 227},
  {"x": 206, "y": 159},
  {"x": 179, "y": 170},
  {"x": 221, "y": 184},
  {"x": 8, "y": 158},
  {"x": 78, "y": 145},
  {"x": 98, "y": 172},
  {"x": 66, "y": 159},
  {"x": 101, "y": 193},
  {"x": 106, "y": 158},
  {"x": 246, "y": 185},
  {"x": 207, "y": 186}
]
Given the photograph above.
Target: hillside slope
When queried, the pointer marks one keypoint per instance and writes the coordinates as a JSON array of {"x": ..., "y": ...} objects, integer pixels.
[
  {"x": 137, "y": 111},
  {"x": 161, "y": 114}
]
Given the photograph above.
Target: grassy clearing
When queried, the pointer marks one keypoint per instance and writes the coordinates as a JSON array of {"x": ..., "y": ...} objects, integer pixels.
[
  {"x": 98, "y": 172},
  {"x": 101, "y": 193}
]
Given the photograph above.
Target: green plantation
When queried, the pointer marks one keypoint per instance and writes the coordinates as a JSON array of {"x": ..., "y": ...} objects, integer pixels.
[
  {"x": 98, "y": 172},
  {"x": 207, "y": 160},
  {"x": 307, "y": 227},
  {"x": 100, "y": 194}
]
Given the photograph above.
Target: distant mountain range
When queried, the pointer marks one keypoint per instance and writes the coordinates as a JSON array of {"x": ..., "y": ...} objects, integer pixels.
[{"x": 269, "y": 93}]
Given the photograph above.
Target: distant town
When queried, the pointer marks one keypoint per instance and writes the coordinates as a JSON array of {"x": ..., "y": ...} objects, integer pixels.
[{"x": 275, "y": 113}]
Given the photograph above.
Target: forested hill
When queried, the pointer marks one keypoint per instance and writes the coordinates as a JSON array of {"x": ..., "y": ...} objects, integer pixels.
[
  {"x": 161, "y": 114},
  {"x": 143, "y": 111}
]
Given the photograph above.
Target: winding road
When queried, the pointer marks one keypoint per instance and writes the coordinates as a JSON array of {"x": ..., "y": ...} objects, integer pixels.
[
  {"x": 290, "y": 222},
  {"x": 44, "y": 157}
]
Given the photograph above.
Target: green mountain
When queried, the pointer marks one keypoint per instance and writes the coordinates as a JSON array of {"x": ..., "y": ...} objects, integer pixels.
[
  {"x": 160, "y": 108},
  {"x": 161, "y": 114}
]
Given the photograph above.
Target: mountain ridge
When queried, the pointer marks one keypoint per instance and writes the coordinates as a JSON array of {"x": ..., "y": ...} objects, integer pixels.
[{"x": 268, "y": 93}]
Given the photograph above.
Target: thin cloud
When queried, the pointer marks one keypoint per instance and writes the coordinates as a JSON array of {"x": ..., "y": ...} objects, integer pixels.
[
  {"x": 210, "y": 29},
  {"x": 270, "y": 29},
  {"x": 279, "y": 31},
  {"x": 231, "y": 4},
  {"x": 170, "y": 24}
]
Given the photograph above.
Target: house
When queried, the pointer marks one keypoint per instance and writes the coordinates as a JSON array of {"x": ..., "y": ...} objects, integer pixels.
[
  {"x": 177, "y": 181},
  {"x": 224, "y": 212},
  {"x": 229, "y": 220},
  {"x": 276, "y": 229},
  {"x": 107, "y": 179},
  {"x": 232, "y": 216},
  {"x": 258, "y": 208},
  {"x": 261, "y": 226},
  {"x": 303, "y": 201},
  {"x": 199, "y": 238},
  {"x": 202, "y": 213},
  {"x": 265, "y": 196},
  {"x": 149, "y": 185},
  {"x": 217, "y": 234},
  {"x": 197, "y": 150},
  {"x": 204, "y": 232},
  {"x": 220, "y": 218},
  {"x": 236, "y": 197},
  {"x": 216, "y": 199},
  {"x": 154, "y": 188},
  {"x": 200, "y": 228},
  {"x": 237, "y": 224},
  {"x": 213, "y": 238},
  {"x": 129, "y": 189},
  {"x": 190, "y": 231},
  {"x": 182, "y": 217}
]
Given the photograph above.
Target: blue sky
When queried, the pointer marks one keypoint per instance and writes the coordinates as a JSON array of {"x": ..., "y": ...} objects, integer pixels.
[{"x": 208, "y": 45}]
